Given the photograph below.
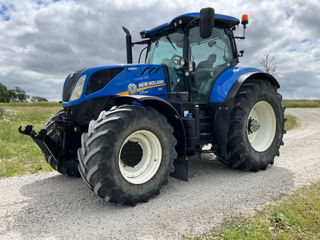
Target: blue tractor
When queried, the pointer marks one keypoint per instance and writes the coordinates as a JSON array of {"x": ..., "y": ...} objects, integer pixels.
[{"x": 125, "y": 128}]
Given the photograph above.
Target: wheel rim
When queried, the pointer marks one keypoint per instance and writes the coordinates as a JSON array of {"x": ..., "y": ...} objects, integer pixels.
[
  {"x": 140, "y": 157},
  {"x": 261, "y": 126}
]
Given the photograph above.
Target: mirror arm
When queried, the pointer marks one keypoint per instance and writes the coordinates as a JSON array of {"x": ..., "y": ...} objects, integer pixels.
[
  {"x": 141, "y": 42},
  {"x": 141, "y": 53}
]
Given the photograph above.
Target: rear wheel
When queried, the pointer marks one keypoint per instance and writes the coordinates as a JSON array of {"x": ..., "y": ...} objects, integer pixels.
[
  {"x": 256, "y": 127},
  {"x": 66, "y": 166},
  {"x": 127, "y": 154}
]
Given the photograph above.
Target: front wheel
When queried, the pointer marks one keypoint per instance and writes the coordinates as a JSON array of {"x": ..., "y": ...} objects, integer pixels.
[
  {"x": 256, "y": 127},
  {"x": 127, "y": 154}
]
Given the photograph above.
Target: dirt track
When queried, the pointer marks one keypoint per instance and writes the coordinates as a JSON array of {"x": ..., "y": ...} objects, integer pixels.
[{"x": 52, "y": 206}]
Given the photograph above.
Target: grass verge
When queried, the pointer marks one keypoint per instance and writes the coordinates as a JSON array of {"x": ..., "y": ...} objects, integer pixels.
[
  {"x": 18, "y": 153},
  {"x": 290, "y": 123},
  {"x": 295, "y": 216}
]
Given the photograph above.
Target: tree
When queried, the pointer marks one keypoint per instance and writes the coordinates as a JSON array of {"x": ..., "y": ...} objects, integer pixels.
[
  {"x": 4, "y": 94},
  {"x": 268, "y": 63},
  {"x": 12, "y": 96},
  {"x": 38, "y": 99},
  {"x": 18, "y": 95}
]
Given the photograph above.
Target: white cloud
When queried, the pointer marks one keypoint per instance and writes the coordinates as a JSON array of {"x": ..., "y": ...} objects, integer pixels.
[{"x": 42, "y": 41}]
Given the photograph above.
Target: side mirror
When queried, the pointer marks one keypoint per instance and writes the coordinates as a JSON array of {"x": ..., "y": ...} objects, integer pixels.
[
  {"x": 206, "y": 22},
  {"x": 192, "y": 66}
]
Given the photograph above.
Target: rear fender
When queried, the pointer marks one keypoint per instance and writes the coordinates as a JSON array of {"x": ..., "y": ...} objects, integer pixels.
[
  {"x": 231, "y": 79},
  {"x": 164, "y": 107},
  {"x": 224, "y": 109}
]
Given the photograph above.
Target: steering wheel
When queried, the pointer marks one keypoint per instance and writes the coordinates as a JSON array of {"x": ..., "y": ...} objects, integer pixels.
[{"x": 176, "y": 59}]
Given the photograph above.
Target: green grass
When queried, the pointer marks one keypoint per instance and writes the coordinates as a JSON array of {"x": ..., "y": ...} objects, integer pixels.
[
  {"x": 296, "y": 216},
  {"x": 18, "y": 153},
  {"x": 301, "y": 103},
  {"x": 290, "y": 123},
  {"x": 1, "y": 113},
  {"x": 34, "y": 104}
]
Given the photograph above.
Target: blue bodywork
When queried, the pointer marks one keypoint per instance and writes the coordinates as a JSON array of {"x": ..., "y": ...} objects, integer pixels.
[
  {"x": 154, "y": 83},
  {"x": 147, "y": 83},
  {"x": 225, "y": 80}
]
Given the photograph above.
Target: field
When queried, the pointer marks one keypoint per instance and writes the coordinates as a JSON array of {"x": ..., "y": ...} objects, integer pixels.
[
  {"x": 301, "y": 103},
  {"x": 18, "y": 153}
]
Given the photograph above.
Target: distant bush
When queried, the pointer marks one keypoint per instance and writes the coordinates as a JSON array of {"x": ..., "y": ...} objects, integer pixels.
[{"x": 38, "y": 99}]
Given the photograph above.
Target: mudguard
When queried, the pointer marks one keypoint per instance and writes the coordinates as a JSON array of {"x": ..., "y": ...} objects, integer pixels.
[
  {"x": 164, "y": 107},
  {"x": 223, "y": 93}
]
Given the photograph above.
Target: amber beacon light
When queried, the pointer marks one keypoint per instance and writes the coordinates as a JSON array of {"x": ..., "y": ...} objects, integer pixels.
[{"x": 244, "y": 20}]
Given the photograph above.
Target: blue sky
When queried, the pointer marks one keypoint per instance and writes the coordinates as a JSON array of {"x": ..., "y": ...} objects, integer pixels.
[{"x": 42, "y": 41}]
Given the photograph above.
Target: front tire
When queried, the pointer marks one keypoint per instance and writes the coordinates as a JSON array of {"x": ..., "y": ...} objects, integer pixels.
[
  {"x": 127, "y": 154},
  {"x": 256, "y": 127}
]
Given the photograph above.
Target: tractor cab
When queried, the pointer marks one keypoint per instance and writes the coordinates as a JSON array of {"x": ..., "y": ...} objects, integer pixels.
[{"x": 193, "y": 61}]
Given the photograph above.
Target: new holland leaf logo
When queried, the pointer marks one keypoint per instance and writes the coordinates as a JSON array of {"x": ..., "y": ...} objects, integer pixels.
[{"x": 132, "y": 89}]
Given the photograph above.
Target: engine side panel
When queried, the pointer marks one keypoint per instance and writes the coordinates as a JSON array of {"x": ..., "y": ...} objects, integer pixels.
[{"x": 142, "y": 79}]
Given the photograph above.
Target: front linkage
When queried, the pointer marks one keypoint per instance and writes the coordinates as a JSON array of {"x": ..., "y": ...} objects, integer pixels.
[
  {"x": 45, "y": 143},
  {"x": 59, "y": 140}
]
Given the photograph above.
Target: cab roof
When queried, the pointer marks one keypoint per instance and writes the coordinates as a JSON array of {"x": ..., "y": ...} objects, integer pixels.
[{"x": 225, "y": 20}]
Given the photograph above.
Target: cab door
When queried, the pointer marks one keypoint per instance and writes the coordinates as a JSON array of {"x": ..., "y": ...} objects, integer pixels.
[{"x": 211, "y": 56}]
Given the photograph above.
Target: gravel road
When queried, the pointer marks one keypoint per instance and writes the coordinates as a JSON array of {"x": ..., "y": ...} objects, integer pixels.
[{"x": 51, "y": 206}]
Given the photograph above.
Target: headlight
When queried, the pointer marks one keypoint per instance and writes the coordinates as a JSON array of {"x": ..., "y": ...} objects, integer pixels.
[{"x": 77, "y": 91}]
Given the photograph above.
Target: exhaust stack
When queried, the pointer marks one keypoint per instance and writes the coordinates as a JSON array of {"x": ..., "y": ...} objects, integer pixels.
[{"x": 129, "y": 45}]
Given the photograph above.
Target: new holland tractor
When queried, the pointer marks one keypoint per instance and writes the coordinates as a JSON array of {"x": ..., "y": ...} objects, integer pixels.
[{"x": 125, "y": 128}]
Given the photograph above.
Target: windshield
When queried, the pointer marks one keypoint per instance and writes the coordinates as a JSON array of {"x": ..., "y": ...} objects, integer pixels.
[
  {"x": 165, "y": 47},
  {"x": 168, "y": 50}
]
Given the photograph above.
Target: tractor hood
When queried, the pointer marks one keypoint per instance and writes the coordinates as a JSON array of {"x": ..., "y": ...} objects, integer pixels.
[{"x": 129, "y": 79}]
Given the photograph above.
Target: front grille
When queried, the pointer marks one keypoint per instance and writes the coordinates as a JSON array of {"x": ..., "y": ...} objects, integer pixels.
[
  {"x": 69, "y": 85},
  {"x": 100, "y": 78}
]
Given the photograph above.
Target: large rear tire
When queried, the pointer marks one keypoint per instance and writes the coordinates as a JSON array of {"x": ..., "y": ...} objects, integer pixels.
[
  {"x": 127, "y": 154},
  {"x": 256, "y": 127},
  {"x": 66, "y": 166}
]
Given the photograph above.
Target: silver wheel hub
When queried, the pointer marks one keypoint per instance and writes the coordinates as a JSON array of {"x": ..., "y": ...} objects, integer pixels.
[
  {"x": 261, "y": 126},
  {"x": 253, "y": 125},
  {"x": 140, "y": 157}
]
